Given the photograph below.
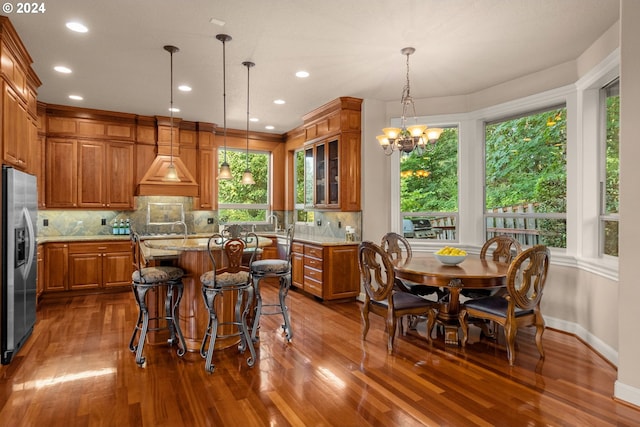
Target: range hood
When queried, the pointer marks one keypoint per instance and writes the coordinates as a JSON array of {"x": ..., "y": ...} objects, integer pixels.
[{"x": 153, "y": 182}]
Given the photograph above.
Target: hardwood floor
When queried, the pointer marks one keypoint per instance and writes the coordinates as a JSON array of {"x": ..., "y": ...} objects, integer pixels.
[{"x": 76, "y": 370}]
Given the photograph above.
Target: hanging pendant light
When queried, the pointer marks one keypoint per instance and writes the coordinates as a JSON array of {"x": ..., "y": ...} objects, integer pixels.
[
  {"x": 247, "y": 177},
  {"x": 225, "y": 170},
  {"x": 171, "y": 174}
]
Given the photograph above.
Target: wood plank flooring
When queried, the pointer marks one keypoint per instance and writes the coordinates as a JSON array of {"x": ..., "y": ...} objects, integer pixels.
[{"x": 76, "y": 370}]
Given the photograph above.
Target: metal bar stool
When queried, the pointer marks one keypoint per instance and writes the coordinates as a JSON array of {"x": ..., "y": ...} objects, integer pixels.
[
  {"x": 142, "y": 280},
  {"x": 232, "y": 278},
  {"x": 281, "y": 269}
]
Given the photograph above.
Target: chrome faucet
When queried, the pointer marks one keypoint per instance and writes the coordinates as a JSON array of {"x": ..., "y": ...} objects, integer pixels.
[
  {"x": 275, "y": 221},
  {"x": 184, "y": 225}
]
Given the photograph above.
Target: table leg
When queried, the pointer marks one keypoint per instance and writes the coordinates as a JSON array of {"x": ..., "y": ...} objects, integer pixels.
[{"x": 448, "y": 313}]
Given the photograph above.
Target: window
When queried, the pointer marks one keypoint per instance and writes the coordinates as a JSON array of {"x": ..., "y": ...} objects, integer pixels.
[
  {"x": 303, "y": 186},
  {"x": 429, "y": 190},
  {"x": 610, "y": 175},
  {"x": 244, "y": 203},
  {"x": 526, "y": 177}
]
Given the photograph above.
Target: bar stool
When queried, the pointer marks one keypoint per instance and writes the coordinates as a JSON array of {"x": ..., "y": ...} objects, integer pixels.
[
  {"x": 281, "y": 269},
  {"x": 232, "y": 278},
  {"x": 142, "y": 280}
]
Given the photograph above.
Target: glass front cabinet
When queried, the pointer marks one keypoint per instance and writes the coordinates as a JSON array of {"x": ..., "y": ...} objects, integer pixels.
[{"x": 332, "y": 157}]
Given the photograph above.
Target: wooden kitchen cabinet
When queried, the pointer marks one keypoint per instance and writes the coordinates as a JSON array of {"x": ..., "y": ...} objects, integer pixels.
[
  {"x": 89, "y": 174},
  {"x": 61, "y": 173},
  {"x": 86, "y": 265},
  {"x": 96, "y": 265},
  {"x": 329, "y": 272},
  {"x": 18, "y": 84},
  {"x": 56, "y": 261},
  {"x": 41, "y": 272},
  {"x": 333, "y": 156},
  {"x": 15, "y": 130}
]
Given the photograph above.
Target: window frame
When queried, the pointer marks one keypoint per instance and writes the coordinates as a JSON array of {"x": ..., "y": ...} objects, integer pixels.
[
  {"x": 267, "y": 207},
  {"x": 603, "y": 215},
  {"x": 524, "y": 238}
]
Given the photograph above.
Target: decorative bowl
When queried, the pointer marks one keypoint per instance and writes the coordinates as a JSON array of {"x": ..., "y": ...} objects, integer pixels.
[{"x": 450, "y": 259}]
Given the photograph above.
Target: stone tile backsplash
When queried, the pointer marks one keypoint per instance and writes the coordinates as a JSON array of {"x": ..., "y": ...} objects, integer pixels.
[{"x": 90, "y": 222}]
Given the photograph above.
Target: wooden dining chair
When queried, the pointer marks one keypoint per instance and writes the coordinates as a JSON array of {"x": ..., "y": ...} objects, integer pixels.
[
  {"x": 378, "y": 280},
  {"x": 501, "y": 248},
  {"x": 398, "y": 248},
  {"x": 520, "y": 306}
]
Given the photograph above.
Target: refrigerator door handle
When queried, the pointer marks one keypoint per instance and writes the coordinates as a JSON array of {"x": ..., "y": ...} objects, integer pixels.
[{"x": 32, "y": 240}]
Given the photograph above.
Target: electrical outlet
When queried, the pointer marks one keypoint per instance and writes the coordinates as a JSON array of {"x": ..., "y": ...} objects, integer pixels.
[
  {"x": 209, "y": 220},
  {"x": 45, "y": 222},
  {"x": 319, "y": 222},
  {"x": 339, "y": 224},
  {"x": 103, "y": 221}
]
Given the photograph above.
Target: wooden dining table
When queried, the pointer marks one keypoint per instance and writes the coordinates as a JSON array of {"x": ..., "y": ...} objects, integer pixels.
[{"x": 472, "y": 273}]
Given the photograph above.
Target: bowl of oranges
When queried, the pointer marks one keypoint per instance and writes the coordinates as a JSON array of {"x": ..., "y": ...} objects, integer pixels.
[{"x": 450, "y": 255}]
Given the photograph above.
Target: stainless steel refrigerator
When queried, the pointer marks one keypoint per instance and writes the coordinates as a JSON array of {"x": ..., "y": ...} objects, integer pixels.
[{"x": 19, "y": 260}]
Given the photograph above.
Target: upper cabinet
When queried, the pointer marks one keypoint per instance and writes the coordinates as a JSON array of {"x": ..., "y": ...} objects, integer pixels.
[
  {"x": 19, "y": 110},
  {"x": 332, "y": 156},
  {"x": 89, "y": 163}
]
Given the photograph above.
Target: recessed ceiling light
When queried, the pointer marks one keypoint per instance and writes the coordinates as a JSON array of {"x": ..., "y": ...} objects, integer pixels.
[
  {"x": 62, "y": 69},
  {"x": 174, "y": 109},
  {"x": 77, "y": 27},
  {"x": 269, "y": 127},
  {"x": 254, "y": 119},
  {"x": 302, "y": 74},
  {"x": 76, "y": 97},
  {"x": 184, "y": 88},
  {"x": 279, "y": 101}
]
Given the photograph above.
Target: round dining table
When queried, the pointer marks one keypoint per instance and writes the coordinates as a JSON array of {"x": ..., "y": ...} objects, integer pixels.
[
  {"x": 192, "y": 255},
  {"x": 472, "y": 273}
]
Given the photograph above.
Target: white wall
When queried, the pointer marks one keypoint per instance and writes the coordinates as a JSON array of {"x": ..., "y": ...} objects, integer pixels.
[{"x": 628, "y": 384}]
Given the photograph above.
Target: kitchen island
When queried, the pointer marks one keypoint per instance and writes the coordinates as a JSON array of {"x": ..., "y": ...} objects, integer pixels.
[{"x": 191, "y": 254}]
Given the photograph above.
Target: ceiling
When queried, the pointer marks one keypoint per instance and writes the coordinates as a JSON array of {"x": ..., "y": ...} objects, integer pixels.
[{"x": 350, "y": 48}]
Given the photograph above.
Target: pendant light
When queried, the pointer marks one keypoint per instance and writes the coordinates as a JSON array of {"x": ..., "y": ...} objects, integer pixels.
[
  {"x": 225, "y": 170},
  {"x": 171, "y": 174},
  {"x": 247, "y": 177}
]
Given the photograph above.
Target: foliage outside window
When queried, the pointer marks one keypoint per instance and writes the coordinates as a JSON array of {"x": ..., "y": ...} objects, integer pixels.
[
  {"x": 526, "y": 178},
  {"x": 239, "y": 202},
  {"x": 302, "y": 187},
  {"x": 429, "y": 190},
  {"x": 611, "y": 159}
]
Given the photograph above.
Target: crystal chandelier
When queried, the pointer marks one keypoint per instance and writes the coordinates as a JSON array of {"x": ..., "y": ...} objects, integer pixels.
[{"x": 408, "y": 138}]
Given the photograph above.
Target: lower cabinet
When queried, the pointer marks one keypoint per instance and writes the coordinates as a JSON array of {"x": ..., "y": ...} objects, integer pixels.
[
  {"x": 329, "y": 272},
  {"x": 87, "y": 265}
]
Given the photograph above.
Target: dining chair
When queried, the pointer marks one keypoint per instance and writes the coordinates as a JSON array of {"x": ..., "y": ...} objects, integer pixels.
[
  {"x": 160, "y": 278},
  {"x": 228, "y": 276},
  {"x": 520, "y": 307},
  {"x": 273, "y": 268},
  {"x": 378, "y": 279},
  {"x": 398, "y": 248},
  {"x": 501, "y": 248}
]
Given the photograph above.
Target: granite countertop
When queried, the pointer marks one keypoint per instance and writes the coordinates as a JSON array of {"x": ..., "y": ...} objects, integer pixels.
[
  {"x": 304, "y": 238},
  {"x": 64, "y": 239}
]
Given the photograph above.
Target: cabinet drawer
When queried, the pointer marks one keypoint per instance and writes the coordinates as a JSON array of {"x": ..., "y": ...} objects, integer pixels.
[
  {"x": 315, "y": 251},
  {"x": 313, "y": 262},
  {"x": 312, "y": 273},
  {"x": 297, "y": 247},
  {"x": 313, "y": 287}
]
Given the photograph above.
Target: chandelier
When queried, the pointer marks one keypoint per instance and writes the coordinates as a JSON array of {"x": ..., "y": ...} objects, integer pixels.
[{"x": 408, "y": 138}]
